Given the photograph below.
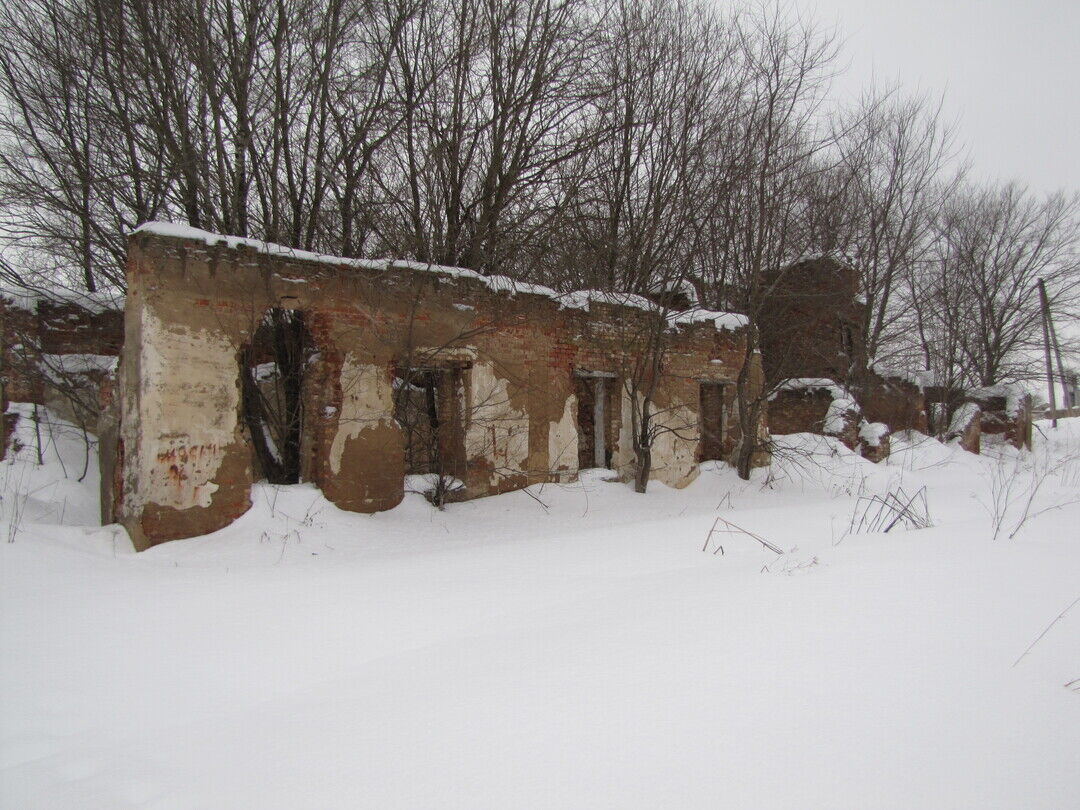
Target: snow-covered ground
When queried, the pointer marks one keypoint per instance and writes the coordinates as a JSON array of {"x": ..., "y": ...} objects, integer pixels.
[{"x": 569, "y": 647}]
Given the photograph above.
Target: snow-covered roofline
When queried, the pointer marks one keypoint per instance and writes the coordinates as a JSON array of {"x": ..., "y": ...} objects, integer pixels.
[{"x": 577, "y": 299}]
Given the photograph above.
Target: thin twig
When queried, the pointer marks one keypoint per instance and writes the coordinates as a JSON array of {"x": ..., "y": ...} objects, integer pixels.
[{"x": 1047, "y": 630}]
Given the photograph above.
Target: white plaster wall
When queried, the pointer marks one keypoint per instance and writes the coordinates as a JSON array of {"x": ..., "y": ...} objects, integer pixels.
[
  {"x": 495, "y": 431},
  {"x": 563, "y": 439},
  {"x": 189, "y": 399},
  {"x": 674, "y": 451},
  {"x": 367, "y": 400}
]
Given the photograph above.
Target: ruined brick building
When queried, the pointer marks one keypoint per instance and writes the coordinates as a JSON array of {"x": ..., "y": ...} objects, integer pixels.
[
  {"x": 241, "y": 361},
  {"x": 491, "y": 384},
  {"x": 815, "y": 361}
]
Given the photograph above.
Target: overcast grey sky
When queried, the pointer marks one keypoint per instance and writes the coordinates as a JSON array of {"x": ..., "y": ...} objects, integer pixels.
[{"x": 1010, "y": 70}]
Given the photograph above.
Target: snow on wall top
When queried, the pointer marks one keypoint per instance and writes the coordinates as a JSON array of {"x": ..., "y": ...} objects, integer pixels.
[
  {"x": 39, "y": 289},
  {"x": 59, "y": 368},
  {"x": 923, "y": 378},
  {"x": 813, "y": 257},
  {"x": 842, "y": 404},
  {"x": 805, "y": 384},
  {"x": 962, "y": 417},
  {"x": 837, "y": 415},
  {"x": 721, "y": 320},
  {"x": 683, "y": 285},
  {"x": 873, "y": 432},
  {"x": 79, "y": 363},
  {"x": 578, "y": 299},
  {"x": 1013, "y": 394}
]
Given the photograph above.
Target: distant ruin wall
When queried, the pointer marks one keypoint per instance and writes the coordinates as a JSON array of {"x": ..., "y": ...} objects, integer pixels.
[
  {"x": 898, "y": 403},
  {"x": 1004, "y": 410},
  {"x": 799, "y": 411},
  {"x": 1008, "y": 415},
  {"x": 56, "y": 354},
  {"x": 812, "y": 322},
  {"x": 184, "y": 463},
  {"x": 815, "y": 405}
]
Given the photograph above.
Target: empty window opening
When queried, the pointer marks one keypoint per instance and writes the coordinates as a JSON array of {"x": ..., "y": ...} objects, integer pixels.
[
  {"x": 427, "y": 406},
  {"x": 595, "y": 393},
  {"x": 272, "y": 381},
  {"x": 712, "y": 421}
]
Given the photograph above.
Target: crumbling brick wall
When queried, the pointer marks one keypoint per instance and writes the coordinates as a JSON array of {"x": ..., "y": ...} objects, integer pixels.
[
  {"x": 67, "y": 328},
  {"x": 187, "y": 467},
  {"x": 18, "y": 326},
  {"x": 965, "y": 427},
  {"x": 1003, "y": 411},
  {"x": 815, "y": 405},
  {"x": 799, "y": 411},
  {"x": 1005, "y": 414},
  {"x": 812, "y": 328}
]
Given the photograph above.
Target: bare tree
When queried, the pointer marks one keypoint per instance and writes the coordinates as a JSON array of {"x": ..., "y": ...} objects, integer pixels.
[
  {"x": 242, "y": 117},
  {"x": 769, "y": 151},
  {"x": 893, "y": 151},
  {"x": 994, "y": 244},
  {"x": 635, "y": 204},
  {"x": 494, "y": 95}
]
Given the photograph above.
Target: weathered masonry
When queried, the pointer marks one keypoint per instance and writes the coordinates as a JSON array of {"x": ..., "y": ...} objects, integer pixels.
[{"x": 245, "y": 361}]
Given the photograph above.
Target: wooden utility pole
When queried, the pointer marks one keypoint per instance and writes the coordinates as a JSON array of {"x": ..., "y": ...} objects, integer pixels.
[
  {"x": 1060, "y": 364},
  {"x": 1046, "y": 346}
]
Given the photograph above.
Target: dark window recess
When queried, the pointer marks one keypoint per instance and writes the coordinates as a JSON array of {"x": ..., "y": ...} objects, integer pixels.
[
  {"x": 427, "y": 405},
  {"x": 594, "y": 397},
  {"x": 847, "y": 340},
  {"x": 272, "y": 381},
  {"x": 712, "y": 421}
]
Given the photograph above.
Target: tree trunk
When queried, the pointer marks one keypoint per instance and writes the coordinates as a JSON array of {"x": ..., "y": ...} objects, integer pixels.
[
  {"x": 643, "y": 450},
  {"x": 749, "y": 408}
]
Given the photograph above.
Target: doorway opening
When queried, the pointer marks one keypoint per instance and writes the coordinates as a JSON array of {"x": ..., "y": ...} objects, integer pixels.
[
  {"x": 428, "y": 407},
  {"x": 596, "y": 392},
  {"x": 711, "y": 408},
  {"x": 272, "y": 381}
]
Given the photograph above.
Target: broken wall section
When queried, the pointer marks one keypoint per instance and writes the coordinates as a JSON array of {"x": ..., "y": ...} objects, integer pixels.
[{"x": 57, "y": 354}]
